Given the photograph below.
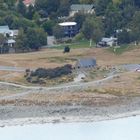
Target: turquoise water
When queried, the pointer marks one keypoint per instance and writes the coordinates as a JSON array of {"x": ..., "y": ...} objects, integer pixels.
[{"x": 120, "y": 129}]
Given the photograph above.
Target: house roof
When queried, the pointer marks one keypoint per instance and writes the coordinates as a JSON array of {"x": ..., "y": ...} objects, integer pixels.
[
  {"x": 80, "y": 7},
  {"x": 86, "y": 62},
  {"x": 29, "y": 2},
  {"x": 67, "y": 24},
  {"x": 11, "y": 41},
  {"x": 105, "y": 39},
  {"x": 4, "y": 29}
]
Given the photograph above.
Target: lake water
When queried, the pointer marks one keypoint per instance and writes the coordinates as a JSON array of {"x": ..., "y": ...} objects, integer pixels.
[{"x": 120, "y": 129}]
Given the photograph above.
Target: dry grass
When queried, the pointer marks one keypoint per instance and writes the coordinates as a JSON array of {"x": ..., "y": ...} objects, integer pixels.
[
  {"x": 2, "y": 73},
  {"x": 49, "y": 58},
  {"x": 126, "y": 84},
  {"x": 46, "y": 58},
  {"x": 9, "y": 91},
  {"x": 52, "y": 58},
  {"x": 69, "y": 98}
]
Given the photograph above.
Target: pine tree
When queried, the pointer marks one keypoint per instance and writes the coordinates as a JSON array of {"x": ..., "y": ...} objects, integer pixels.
[{"x": 21, "y": 8}]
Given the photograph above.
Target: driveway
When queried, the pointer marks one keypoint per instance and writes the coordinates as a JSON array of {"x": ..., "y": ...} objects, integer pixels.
[
  {"x": 130, "y": 67},
  {"x": 12, "y": 69}
]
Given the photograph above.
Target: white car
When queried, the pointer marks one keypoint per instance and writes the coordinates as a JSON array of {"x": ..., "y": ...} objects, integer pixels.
[{"x": 138, "y": 70}]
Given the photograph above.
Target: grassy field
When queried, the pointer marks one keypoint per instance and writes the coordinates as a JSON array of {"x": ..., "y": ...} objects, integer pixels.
[
  {"x": 50, "y": 58},
  {"x": 125, "y": 84},
  {"x": 75, "y": 45},
  {"x": 121, "y": 49}
]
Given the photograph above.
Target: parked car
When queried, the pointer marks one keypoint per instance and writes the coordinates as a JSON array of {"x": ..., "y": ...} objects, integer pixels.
[{"x": 138, "y": 69}]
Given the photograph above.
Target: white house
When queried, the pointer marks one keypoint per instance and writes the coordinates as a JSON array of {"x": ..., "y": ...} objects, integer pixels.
[
  {"x": 112, "y": 41},
  {"x": 6, "y": 31},
  {"x": 11, "y": 42},
  {"x": 10, "y": 34},
  {"x": 15, "y": 33},
  {"x": 85, "y": 8}
]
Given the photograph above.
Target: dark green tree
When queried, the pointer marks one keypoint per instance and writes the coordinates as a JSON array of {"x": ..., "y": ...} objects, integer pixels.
[
  {"x": 93, "y": 29},
  {"x": 58, "y": 32},
  {"x": 41, "y": 36},
  {"x": 48, "y": 26},
  {"x": 135, "y": 26},
  {"x": 21, "y": 41},
  {"x": 36, "y": 38},
  {"x": 79, "y": 19},
  {"x": 21, "y": 8},
  {"x": 2, "y": 42},
  {"x": 124, "y": 37},
  {"x": 30, "y": 12},
  {"x": 10, "y": 3},
  {"x": 64, "y": 8},
  {"x": 112, "y": 20},
  {"x": 101, "y": 6},
  {"x": 49, "y": 6}
]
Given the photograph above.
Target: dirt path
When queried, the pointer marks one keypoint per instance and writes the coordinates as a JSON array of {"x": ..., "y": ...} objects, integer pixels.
[
  {"x": 11, "y": 69},
  {"x": 65, "y": 86},
  {"x": 72, "y": 86},
  {"x": 69, "y": 86},
  {"x": 15, "y": 96}
]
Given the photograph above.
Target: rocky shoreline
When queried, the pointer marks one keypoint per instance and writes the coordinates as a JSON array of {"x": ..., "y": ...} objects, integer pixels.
[{"x": 11, "y": 115}]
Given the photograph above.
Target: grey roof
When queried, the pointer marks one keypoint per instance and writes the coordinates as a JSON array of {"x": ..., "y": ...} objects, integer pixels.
[
  {"x": 104, "y": 39},
  {"x": 86, "y": 62},
  {"x": 11, "y": 41},
  {"x": 4, "y": 29},
  {"x": 80, "y": 7}
]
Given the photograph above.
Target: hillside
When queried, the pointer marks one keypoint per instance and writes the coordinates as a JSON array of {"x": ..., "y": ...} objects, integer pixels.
[{"x": 117, "y": 18}]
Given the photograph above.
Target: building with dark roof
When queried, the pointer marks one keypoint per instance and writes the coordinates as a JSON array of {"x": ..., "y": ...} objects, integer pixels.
[
  {"x": 85, "y": 63},
  {"x": 85, "y": 8},
  {"x": 69, "y": 28}
]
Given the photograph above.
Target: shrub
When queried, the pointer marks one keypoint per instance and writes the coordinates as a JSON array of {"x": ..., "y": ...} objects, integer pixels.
[
  {"x": 66, "y": 49},
  {"x": 41, "y": 73}
]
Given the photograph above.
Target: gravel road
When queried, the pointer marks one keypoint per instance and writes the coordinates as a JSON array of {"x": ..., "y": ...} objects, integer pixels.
[{"x": 12, "y": 69}]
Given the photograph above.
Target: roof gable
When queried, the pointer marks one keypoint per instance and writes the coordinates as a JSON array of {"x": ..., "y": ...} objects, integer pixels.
[
  {"x": 4, "y": 27},
  {"x": 104, "y": 39},
  {"x": 86, "y": 62},
  {"x": 80, "y": 7}
]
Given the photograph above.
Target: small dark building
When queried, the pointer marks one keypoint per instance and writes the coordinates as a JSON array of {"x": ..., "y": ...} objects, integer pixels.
[{"x": 85, "y": 63}]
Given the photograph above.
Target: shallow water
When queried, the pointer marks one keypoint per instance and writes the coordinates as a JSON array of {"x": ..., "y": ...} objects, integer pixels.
[{"x": 120, "y": 129}]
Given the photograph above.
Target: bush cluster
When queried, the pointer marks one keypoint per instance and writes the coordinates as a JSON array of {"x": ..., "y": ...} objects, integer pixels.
[{"x": 42, "y": 73}]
